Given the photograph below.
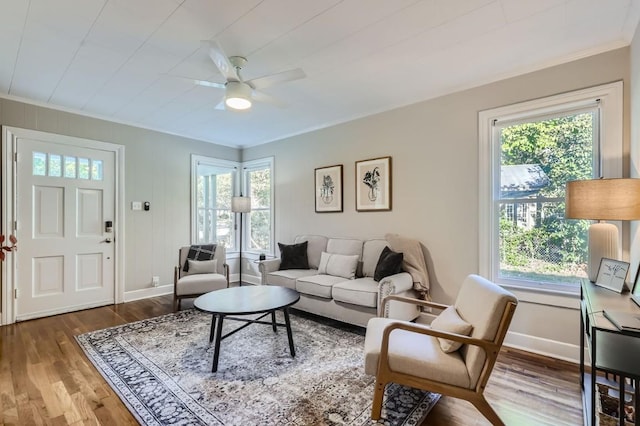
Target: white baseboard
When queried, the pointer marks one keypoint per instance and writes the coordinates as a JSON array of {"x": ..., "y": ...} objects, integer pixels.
[
  {"x": 546, "y": 347},
  {"x": 145, "y": 293},
  {"x": 251, "y": 279}
]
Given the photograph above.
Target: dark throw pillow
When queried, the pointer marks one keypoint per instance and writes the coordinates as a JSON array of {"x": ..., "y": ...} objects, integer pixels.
[
  {"x": 293, "y": 256},
  {"x": 389, "y": 263},
  {"x": 199, "y": 252}
]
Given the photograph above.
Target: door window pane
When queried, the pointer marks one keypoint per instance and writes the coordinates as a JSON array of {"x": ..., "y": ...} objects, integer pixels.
[
  {"x": 39, "y": 164},
  {"x": 96, "y": 170},
  {"x": 70, "y": 167},
  {"x": 55, "y": 165},
  {"x": 83, "y": 168}
]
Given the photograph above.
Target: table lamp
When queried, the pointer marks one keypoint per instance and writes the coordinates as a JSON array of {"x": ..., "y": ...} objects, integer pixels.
[
  {"x": 240, "y": 205},
  {"x": 602, "y": 199}
]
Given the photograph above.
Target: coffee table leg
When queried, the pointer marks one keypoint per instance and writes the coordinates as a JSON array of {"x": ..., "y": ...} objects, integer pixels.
[
  {"x": 289, "y": 334},
  {"x": 216, "y": 346},
  {"x": 273, "y": 321},
  {"x": 213, "y": 327}
]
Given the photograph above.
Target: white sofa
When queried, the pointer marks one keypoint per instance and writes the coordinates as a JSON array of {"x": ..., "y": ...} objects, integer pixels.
[{"x": 353, "y": 301}]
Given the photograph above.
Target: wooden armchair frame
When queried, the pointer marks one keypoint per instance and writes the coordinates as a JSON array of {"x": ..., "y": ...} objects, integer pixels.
[{"x": 475, "y": 395}]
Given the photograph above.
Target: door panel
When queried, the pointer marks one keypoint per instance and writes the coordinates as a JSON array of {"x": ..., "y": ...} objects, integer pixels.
[{"x": 66, "y": 260}]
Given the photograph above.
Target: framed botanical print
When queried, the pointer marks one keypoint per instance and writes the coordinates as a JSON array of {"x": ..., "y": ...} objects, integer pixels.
[
  {"x": 373, "y": 184},
  {"x": 328, "y": 192}
]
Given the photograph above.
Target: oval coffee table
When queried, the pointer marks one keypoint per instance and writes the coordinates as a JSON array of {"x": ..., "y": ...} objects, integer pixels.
[{"x": 246, "y": 300}]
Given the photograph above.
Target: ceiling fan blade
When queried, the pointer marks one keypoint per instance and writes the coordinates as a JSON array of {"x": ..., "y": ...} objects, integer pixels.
[
  {"x": 207, "y": 83},
  {"x": 281, "y": 77},
  {"x": 268, "y": 99},
  {"x": 221, "y": 60}
]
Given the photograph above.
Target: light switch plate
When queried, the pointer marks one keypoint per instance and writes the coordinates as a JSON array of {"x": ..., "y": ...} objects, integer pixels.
[{"x": 136, "y": 205}]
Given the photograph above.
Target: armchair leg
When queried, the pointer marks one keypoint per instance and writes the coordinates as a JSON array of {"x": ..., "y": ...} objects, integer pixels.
[
  {"x": 378, "y": 395},
  {"x": 483, "y": 406}
]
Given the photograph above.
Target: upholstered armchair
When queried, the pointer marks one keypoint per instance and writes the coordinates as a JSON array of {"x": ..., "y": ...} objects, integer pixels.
[
  {"x": 202, "y": 277},
  {"x": 454, "y": 356}
]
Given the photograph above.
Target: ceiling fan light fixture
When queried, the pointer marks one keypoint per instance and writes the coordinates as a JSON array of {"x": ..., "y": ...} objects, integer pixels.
[{"x": 238, "y": 95}]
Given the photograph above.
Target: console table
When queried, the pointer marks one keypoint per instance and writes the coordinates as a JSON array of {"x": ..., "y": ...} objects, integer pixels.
[{"x": 611, "y": 350}]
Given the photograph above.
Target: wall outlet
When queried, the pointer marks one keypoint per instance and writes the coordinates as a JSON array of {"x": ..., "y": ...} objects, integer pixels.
[{"x": 155, "y": 281}]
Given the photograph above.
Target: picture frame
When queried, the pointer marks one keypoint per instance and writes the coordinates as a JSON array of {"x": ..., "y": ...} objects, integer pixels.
[
  {"x": 328, "y": 189},
  {"x": 373, "y": 184},
  {"x": 612, "y": 274}
]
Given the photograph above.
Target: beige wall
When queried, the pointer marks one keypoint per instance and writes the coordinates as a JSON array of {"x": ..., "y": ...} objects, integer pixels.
[
  {"x": 157, "y": 170},
  {"x": 434, "y": 145},
  {"x": 634, "y": 114}
]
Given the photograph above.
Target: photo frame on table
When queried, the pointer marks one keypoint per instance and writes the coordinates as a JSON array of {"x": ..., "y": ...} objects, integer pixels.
[
  {"x": 612, "y": 274},
  {"x": 328, "y": 189},
  {"x": 373, "y": 184}
]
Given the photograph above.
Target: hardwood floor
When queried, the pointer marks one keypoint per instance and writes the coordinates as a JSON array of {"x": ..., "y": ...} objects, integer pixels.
[{"x": 45, "y": 378}]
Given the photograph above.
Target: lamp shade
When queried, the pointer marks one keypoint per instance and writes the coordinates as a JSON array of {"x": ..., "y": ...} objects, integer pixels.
[
  {"x": 241, "y": 204},
  {"x": 238, "y": 95},
  {"x": 603, "y": 199}
]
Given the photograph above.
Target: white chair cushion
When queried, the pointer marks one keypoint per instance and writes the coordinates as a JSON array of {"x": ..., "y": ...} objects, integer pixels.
[
  {"x": 414, "y": 354},
  {"x": 338, "y": 265},
  {"x": 200, "y": 284},
  {"x": 450, "y": 321}
]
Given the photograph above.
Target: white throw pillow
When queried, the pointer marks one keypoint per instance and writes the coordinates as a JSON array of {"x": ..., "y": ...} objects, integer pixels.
[
  {"x": 203, "y": 266},
  {"x": 338, "y": 265},
  {"x": 450, "y": 321}
]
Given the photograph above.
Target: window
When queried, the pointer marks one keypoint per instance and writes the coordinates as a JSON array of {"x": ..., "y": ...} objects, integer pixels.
[
  {"x": 528, "y": 152},
  {"x": 258, "y": 184},
  {"x": 213, "y": 185}
]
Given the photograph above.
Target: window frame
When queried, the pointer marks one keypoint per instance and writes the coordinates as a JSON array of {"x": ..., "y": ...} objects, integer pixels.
[
  {"x": 610, "y": 98},
  {"x": 249, "y": 166},
  {"x": 233, "y": 166}
]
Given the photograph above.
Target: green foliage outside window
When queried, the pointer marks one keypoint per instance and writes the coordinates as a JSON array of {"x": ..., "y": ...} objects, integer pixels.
[{"x": 547, "y": 248}]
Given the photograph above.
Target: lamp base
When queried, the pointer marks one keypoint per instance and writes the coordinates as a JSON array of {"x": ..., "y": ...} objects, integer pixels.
[{"x": 603, "y": 242}]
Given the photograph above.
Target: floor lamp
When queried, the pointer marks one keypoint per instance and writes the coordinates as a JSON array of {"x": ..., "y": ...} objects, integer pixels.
[
  {"x": 240, "y": 205},
  {"x": 602, "y": 199}
]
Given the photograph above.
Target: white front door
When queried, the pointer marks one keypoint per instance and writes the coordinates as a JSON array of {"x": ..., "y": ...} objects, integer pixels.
[{"x": 65, "y": 202}]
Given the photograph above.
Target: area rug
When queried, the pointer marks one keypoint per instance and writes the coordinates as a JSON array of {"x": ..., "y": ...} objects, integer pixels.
[{"x": 161, "y": 369}]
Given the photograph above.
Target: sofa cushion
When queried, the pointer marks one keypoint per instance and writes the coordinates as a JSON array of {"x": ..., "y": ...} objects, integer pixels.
[
  {"x": 450, "y": 321},
  {"x": 389, "y": 263},
  {"x": 316, "y": 245},
  {"x": 317, "y": 285},
  {"x": 346, "y": 246},
  {"x": 288, "y": 277},
  {"x": 293, "y": 256},
  {"x": 361, "y": 291},
  {"x": 371, "y": 250},
  {"x": 339, "y": 265},
  {"x": 202, "y": 266}
]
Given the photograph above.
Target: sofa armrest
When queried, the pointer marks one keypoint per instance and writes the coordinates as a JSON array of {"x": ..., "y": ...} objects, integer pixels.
[
  {"x": 266, "y": 266},
  {"x": 392, "y": 285}
]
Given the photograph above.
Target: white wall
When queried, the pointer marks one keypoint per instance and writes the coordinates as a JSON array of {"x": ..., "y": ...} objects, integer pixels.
[
  {"x": 157, "y": 170},
  {"x": 434, "y": 145}
]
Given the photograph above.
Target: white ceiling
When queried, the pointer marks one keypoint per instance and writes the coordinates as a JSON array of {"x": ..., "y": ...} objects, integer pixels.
[{"x": 117, "y": 59}]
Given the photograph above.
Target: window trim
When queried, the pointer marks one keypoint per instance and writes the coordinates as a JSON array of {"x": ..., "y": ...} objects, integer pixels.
[
  {"x": 248, "y": 166},
  {"x": 611, "y": 151},
  {"x": 215, "y": 162}
]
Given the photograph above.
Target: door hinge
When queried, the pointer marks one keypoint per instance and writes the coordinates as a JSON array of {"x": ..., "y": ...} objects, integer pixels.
[
  {"x": 15, "y": 225},
  {"x": 15, "y": 293},
  {"x": 15, "y": 157}
]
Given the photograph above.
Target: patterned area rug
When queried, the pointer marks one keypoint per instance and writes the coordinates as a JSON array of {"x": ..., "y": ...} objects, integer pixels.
[{"x": 161, "y": 369}]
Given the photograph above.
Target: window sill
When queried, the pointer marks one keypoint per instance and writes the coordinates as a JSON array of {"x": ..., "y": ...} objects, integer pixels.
[{"x": 569, "y": 298}]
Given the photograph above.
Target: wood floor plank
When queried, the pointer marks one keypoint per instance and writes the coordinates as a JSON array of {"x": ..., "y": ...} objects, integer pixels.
[{"x": 45, "y": 377}]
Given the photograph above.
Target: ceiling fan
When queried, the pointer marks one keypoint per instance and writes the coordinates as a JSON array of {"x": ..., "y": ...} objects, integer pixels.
[{"x": 240, "y": 93}]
